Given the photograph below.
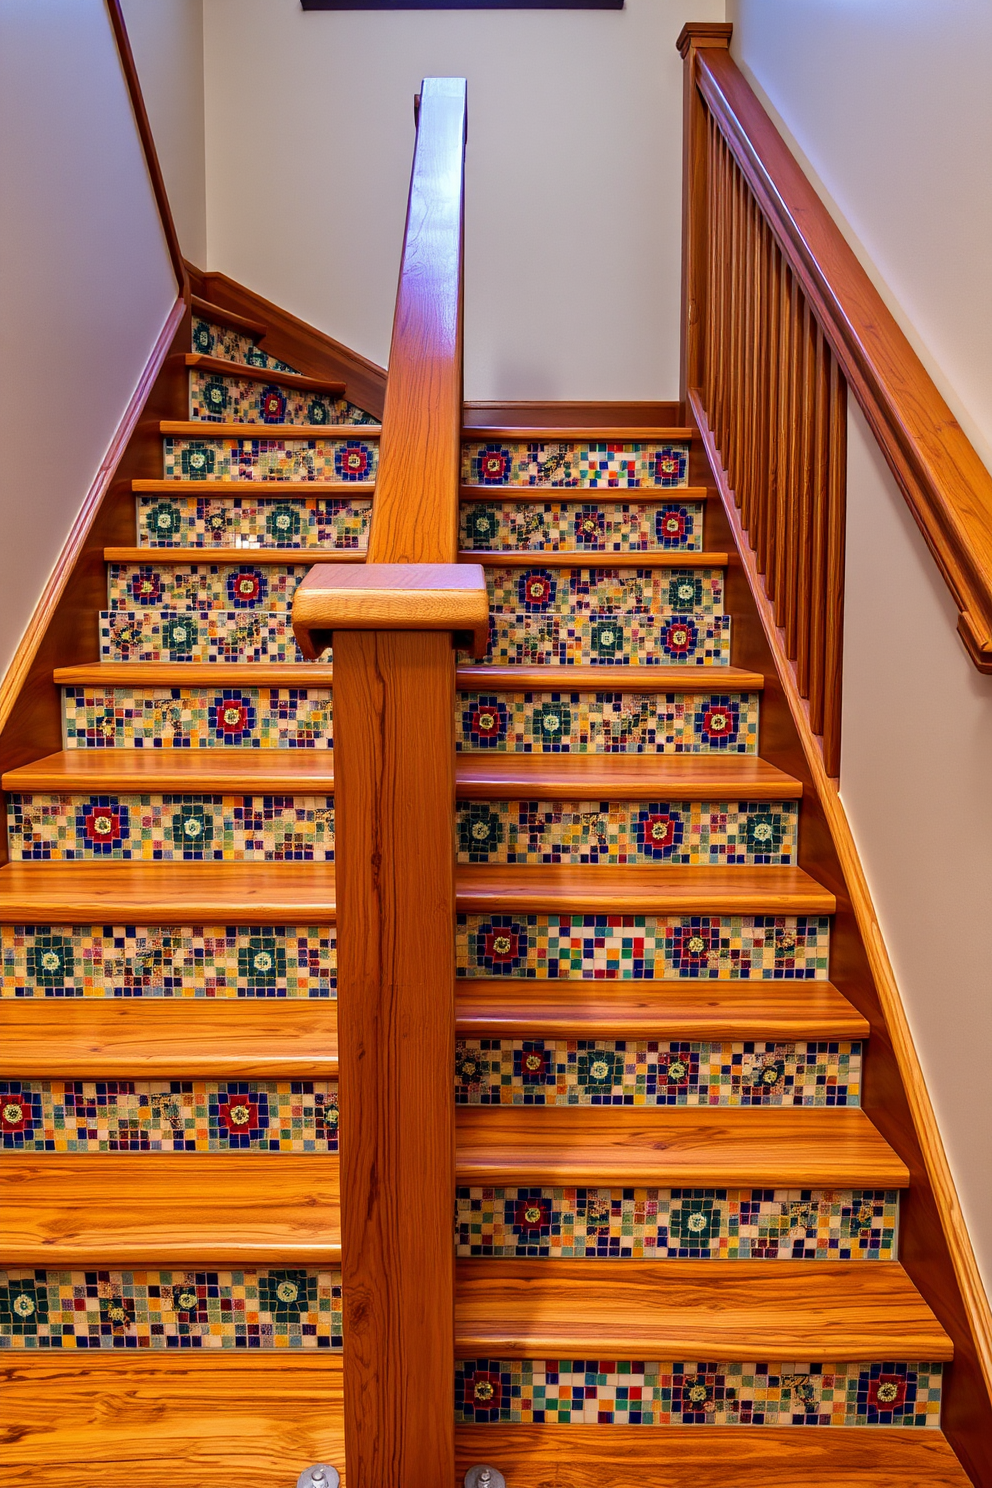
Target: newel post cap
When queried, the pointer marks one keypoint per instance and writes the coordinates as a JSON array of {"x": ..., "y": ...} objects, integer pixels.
[
  {"x": 390, "y": 596},
  {"x": 704, "y": 34}
]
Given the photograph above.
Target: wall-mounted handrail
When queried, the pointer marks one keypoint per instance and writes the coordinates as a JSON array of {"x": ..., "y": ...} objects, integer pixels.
[
  {"x": 393, "y": 621},
  {"x": 946, "y": 485}
]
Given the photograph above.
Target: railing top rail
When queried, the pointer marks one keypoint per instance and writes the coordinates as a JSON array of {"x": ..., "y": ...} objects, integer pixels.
[
  {"x": 415, "y": 511},
  {"x": 945, "y": 483}
]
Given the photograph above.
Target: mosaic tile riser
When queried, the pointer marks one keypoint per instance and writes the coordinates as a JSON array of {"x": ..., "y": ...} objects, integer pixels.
[
  {"x": 168, "y": 828},
  {"x": 261, "y": 588},
  {"x": 196, "y": 718},
  {"x": 168, "y": 1116},
  {"x": 234, "y": 521},
  {"x": 575, "y": 592},
  {"x": 607, "y": 639},
  {"x": 238, "y": 400},
  {"x": 83, "y": 1310},
  {"x": 591, "y": 463},
  {"x": 324, "y": 458},
  {"x": 730, "y": 947},
  {"x": 606, "y": 1072},
  {"x": 604, "y": 526},
  {"x": 681, "y": 1223},
  {"x": 608, "y": 722},
  {"x": 182, "y": 961},
  {"x": 697, "y": 1393},
  {"x": 198, "y": 635},
  {"x": 223, "y": 341},
  {"x": 677, "y": 832}
]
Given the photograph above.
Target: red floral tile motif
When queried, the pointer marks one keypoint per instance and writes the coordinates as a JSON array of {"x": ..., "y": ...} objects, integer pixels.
[
  {"x": 531, "y": 1216},
  {"x": 104, "y": 824},
  {"x": 232, "y": 718},
  {"x": 239, "y": 1115},
  {"x": 486, "y": 723},
  {"x": 493, "y": 464},
  {"x": 532, "y": 1064},
  {"x": 483, "y": 1390},
  {"x": 15, "y": 1113},
  {"x": 669, "y": 466},
  {"x": 718, "y": 721},
  {"x": 536, "y": 590},
  {"x": 887, "y": 1392},
  {"x": 679, "y": 637},
  {"x": 671, "y": 526},
  {"x": 589, "y": 525},
  {"x": 246, "y": 587},
  {"x": 146, "y": 587},
  {"x": 273, "y": 406},
  {"x": 353, "y": 461},
  {"x": 501, "y": 945},
  {"x": 658, "y": 833}
]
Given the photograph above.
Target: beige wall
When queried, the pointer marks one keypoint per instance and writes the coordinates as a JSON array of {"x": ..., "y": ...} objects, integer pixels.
[
  {"x": 574, "y": 168},
  {"x": 167, "y": 40},
  {"x": 86, "y": 285}
]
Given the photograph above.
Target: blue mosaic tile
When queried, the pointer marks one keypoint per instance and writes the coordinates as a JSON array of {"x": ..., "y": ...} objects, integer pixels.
[
  {"x": 608, "y": 722},
  {"x": 592, "y": 463},
  {"x": 324, "y": 458},
  {"x": 198, "y": 635},
  {"x": 227, "y": 343},
  {"x": 229, "y": 520},
  {"x": 197, "y": 717},
  {"x": 261, "y": 587},
  {"x": 603, "y": 526},
  {"x": 240, "y": 400}
]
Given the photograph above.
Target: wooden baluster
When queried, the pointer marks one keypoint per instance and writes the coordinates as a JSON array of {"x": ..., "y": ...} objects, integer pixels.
[
  {"x": 751, "y": 322},
  {"x": 836, "y": 546},
  {"x": 709, "y": 362},
  {"x": 761, "y": 376},
  {"x": 805, "y": 496},
  {"x": 763, "y": 539},
  {"x": 818, "y": 534},
  {"x": 720, "y": 363},
  {"x": 731, "y": 451}
]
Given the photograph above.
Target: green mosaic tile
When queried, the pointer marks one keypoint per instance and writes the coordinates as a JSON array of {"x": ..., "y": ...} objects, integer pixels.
[
  {"x": 198, "y": 635},
  {"x": 326, "y": 457},
  {"x": 253, "y": 521},
  {"x": 196, "y": 717},
  {"x": 580, "y": 462},
  {"x": 606, "y": 526},
  {"x": 262, "y": 588},
  {"x": 224, "y": 341},
  {"x": 240, "y": 400},
  {"x": 175, "y": 1310},
  {"x": 608, "y": 722}
]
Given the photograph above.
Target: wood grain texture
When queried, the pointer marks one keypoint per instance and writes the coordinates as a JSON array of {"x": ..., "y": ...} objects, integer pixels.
[
  {"x": 146, "y": 1038},
  {"x": 161, "y": 557},
  {"x": 284, "y": 771},
  {"x": 525, "y": 434},
  {"x": 622, "y": 777},
  {"x": 168, "y": 893},
  {"x": 783, "y": 1310},
  {"x": 555, "y": 1007},
  {"x": 247, "y": 373},
  {"x": 170, "y": 1209},
  {"x": 396, "y": 1048},
  {"x": 555, "y": 1456},
  {"x": 583, "y": 558},
  {"x": 201, "y": 429},
  {"x": 580, "y": 415},
  {"x": 945, "y": 483},
  {"x": 632, "y": 495},
  {"x": 193, "y": 674},
  {"x": 639, "y": 890},
  {"x": 609, "y": 679},
  {"x": 158, "y": 486},
  {"x": 415, "y": 515},
  {"x": 390, "y": 596},
  {"x": 217, "y": 315},
  {"x": 674, "y": 1146},
  {"x": 207, "y": 1417}
]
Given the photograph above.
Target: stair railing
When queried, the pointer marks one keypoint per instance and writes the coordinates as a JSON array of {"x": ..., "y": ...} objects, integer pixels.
[
  {"x": 393, "y": 622},
  {"x": 779, "y": 319}
]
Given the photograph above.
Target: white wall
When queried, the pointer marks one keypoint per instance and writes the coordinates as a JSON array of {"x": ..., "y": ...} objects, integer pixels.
[
  {"x": 574, "y": 171},
  {"x": 167, "y": 41},
  {"x": 86, "y": 284}
]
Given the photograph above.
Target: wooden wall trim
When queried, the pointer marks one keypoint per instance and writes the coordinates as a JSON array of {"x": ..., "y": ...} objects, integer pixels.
[
  {"x": 952, "y": 1286},
  {"x": 945, "y": 484},
  {"x": 148, "y": 145}
]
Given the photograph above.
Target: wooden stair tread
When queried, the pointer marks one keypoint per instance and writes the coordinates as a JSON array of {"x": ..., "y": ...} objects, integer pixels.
[
  {"x": 163, "y": 487},
  {"x": 553, "y": 1456},
  {"x": 194, "y": 1038},
  {"x": 569, "y": 1007},
  {"x": 716, "y": 679},
  {"x": 170, "y": 1209},
  {"x": 217, "y": 315},
  {"x": 534, "y": 434},
  {"x": 195, "y": 674},
  {"x": 272, "y": 771},
  {"x": 675, "y": 1147},
  {"x": 222, "y": 367},
  {"x": 167, "y": 893},
  {"x": 234, "y": 555},
  {"x": 837, "y": 1311},
  {"x": 585, "y": 495},
  {"x": 590, "y": 558},
  {"x": 490, "y": 775},
  {"x": 197, "y": 428},
  {"x": 639, "y": 889}
]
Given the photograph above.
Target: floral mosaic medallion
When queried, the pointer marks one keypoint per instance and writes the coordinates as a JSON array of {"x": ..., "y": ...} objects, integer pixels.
[
  {"x": 330, "y": 458},
  {"x": 226, "y": 343},
  {"x": 80, "y": 1310},
  {"x": 687, "y": 1224},
  {"x": 203, "y": 586},
  {"x": 604, "y": 526},
  {"x": 238, "y": 400},
  {"x": 575, "y": 463},
  {"x": 197, "y": 717},
  {"x": 234, "y": 635},
  {"x": 168, "y": 961},
  {"x": 608, "y": 722},
  {"x": 168, "y": 1116},
  {"x": 251, "y": 521},
  {"x": 572, "y": 1392}
]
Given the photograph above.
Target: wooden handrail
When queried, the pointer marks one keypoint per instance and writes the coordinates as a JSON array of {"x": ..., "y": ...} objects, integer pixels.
[
  {"x": 393, "y": 621},
  {"x": 946, "y": 485}
]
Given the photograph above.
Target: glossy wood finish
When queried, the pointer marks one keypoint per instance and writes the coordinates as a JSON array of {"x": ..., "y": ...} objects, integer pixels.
[
  {"x": 630, "y": 496},
  {"x": 186, "y": 1419},
  {"x": 643, "y": 679},
  {"x": 169, "y": 1209},
  {"x": 487, "y": 776},
  {"x": 271, "y": 771},
  {"x": 194, "y": 674},
  {"x": 167, "y": 893},
  {"x": 584, "y": 558},
  {"x": 634, "y": 889},
  {"x": 217, "y": 315},
  {"x": 565, "y": 1008},
  {"x": 145, "y": 1038},
  {"x": 222, "y": 367},
  {"x": 589, "y": 415},
  {"x": 674, "y": 1147},
  {"x": 162, "y": 557},
  {"x": 390, "y": 596},
  {"x": 552, "y": 1456},
  {"x": 941, "y": 475},
  {"x": 526, "y": 434},
  {"x": 201, "y": 429},
  {"x": 233, "y": 488},
  {"x": 844, "y": 1311}
]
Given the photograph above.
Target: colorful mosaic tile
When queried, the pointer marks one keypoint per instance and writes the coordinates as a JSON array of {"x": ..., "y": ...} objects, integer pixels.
[
  {"x": 251, "y": 521},
  {"x": 572, "y": 593},
  {"x": 170, "y": 828},
  {"x": 677, "y": 1223},
  {"x": 168, "y": 1116},
  {"x": 238, "y": 400},
  {"x": 571, "y": 1392},
  {"x": 330, "y": 458},
  {"x": 196, "y": 717},
  {"x": 625, "y": 947},
  {"x": 607, "y": 526},
  {"x": 698, "y": 832},
  {"x": 608, "y": 1072},
  {"x": 198, "y": 635},
  {"x": 168, "y": 961},
  {"x": 265, "y": 588},
  {"x": 142, "y": 1310},
  {"x": 575, "y": 463},
  {"x": 225, "y": 342},
  {"x": 608, "y": 722}
]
